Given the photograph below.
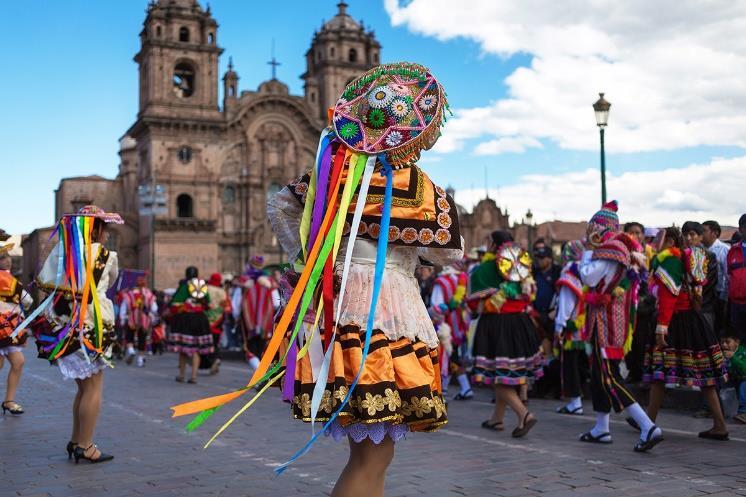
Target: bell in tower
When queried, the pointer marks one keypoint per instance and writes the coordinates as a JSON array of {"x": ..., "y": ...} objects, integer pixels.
[{"x": 339, "y": 52}]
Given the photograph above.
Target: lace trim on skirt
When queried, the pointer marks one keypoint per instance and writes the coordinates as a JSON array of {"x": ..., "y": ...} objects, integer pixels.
[{"x": 360, "y": 431}]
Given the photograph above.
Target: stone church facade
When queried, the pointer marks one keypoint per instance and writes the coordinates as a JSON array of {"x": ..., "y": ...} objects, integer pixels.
[{"x": 218, "y": 161}]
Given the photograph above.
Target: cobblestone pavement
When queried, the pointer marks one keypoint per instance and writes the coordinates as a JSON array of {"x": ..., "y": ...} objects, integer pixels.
[{"x": 155, "y": 457}]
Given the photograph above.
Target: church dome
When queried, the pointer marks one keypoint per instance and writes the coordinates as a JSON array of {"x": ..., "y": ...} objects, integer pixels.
[{"x": 342, "y": 21}]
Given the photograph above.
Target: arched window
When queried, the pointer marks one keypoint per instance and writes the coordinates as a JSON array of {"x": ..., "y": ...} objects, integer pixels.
[
  {"x": 352, "y": 55},
  {"x": 375, "y": 58},
  {"x": 331, "y": 52},
  {"x": 232, "y": 91},
  {"x": 183, "y": 80},
  {"x": 183, "y": 34},
  {"x": 313, "y": 97},
  {"x": 229, "y": 194},
  {"x": 158, "y": 31},
  {"x": 210, "y": 38},
  {"x": 184, "y": 206}
]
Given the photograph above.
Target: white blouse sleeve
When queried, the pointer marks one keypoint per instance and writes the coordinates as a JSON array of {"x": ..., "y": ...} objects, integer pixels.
[
  {"x": 566, "y": 302},
  {"x": 441, "y": 257},
  {"x": 285, "y": 213}
]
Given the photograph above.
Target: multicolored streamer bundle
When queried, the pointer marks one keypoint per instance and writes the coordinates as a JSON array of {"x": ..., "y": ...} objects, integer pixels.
[
  {"x": 390, "y": 113},
  {"x": 76, "y": 265}
]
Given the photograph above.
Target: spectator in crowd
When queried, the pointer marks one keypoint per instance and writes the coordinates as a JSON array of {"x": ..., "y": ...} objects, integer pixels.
[
  {"x": 425, "y": 274},
  {"x": 737, "y": 283},
  {"x": 546, "y": 273},
  {"x": 711, "y": 240},
  {"x": 735, "y": 357}
]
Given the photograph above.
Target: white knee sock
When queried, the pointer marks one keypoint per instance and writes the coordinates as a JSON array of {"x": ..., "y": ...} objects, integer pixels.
[
  {"x": 254, "y": 363},
  {"x": 602, "y": 424},
  {"x": 575, "y": 403},
  {"x": 463, "y": 383},
  {"x": 640, "y": 416}
]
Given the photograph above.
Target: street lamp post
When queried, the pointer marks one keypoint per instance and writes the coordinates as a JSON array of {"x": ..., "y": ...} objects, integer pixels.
[
  {"x": 152, "y": 198},
  {"x": 529, "y": 229},
  {"x": 601, "y": 108}
]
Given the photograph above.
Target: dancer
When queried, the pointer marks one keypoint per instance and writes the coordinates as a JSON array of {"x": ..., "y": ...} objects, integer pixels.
[
  {"x": 257, "y": 310},
  {"x": 14, "y": 300},
  {"x": 76, "y": 330},
  {"x": 136, "y": 315},
  {"x": 569, "y": 323},
  {"x": 220, "y": 304},
  {"x": 383, "y": 331},
  {"x": 685, "y": 349},
  {"x": 610, "y": 271},
  {"x": 447, "y": 307},
  {"x": 190, "y": 333},
  {"x": 507, "y": 351}
]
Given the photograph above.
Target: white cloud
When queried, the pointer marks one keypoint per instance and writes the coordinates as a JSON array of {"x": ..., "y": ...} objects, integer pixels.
[
  {"x": 656, "y": 198},
  {"x": 672, "y": 69},
  {"x": 514, "y": 144}
]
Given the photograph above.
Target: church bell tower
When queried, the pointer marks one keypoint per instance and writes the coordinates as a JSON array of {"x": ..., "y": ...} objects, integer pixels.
[
  {"x": 178, "y": 61},
  {"x": 339, "y": 52}
]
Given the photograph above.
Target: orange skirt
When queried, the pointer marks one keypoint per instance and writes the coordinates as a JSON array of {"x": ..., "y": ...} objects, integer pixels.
[{"x": 399, "y": 384}]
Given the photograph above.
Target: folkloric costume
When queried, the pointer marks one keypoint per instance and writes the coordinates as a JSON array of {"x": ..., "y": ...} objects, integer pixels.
[
  {"x": 365, "y": 214},
  {"x": 693, "y": 356},
  {"x": 257, "y": 308},
  {"x": 14, "y": 300},
  {"x": 76, "y": 329},
  {"x": 611, "y": 304},
  {"x": 506, "y": 343},
  {"x": 190, "y": 329},
  {"x": 136, "y": 315},
  {"x": 569, "y": 325},
  {"x": 220, "y": 305},
  {"x": 450, "y": 315}
]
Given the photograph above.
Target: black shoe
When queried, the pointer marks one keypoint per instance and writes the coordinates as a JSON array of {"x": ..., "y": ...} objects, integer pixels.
[
  {"x": 468, "y": 395},
  {"x": 71, "y": 449},
  {"x": 650, "y": 442},
  {"x": 80, "y": 454},
  {"x": 603, "y": 438},
  {"x": 12, "y": 407}
]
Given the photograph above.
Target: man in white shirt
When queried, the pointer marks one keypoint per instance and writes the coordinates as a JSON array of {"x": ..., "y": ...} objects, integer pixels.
[{"x": 711, "y": 241}]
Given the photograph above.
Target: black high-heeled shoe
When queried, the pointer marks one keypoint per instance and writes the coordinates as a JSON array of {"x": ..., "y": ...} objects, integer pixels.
[
  {"x": 13, "y": 407},
  {"x": 71, "y": 449},
  {"x": 80, "y": 454}
]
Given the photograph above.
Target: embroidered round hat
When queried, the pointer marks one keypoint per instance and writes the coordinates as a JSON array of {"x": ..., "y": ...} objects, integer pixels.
[
  {"x": 99, "y": 213},
  {"x": 606, "y": 219},
  {"x": 396, "y": 109}
]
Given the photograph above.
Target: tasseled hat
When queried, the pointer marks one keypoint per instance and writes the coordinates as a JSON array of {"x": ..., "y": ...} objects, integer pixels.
[{"x": 606, "y": 219}]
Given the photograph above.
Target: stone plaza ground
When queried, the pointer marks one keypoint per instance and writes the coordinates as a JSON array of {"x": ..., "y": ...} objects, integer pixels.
[{"x": 155, "y": 457}]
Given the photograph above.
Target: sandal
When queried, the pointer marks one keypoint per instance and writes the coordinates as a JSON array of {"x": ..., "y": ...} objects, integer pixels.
[
  {"x": 527, "y": 425},
  {"x": 651, "y": 440},
  {"x": 578, "y": 411},
  {"x": 193, "y": 381},
  {"x": 468, "y": 395},
  {"x": 499, "y": 426},
  {"x": 180, "y": 379},
  {"x": 603, "y": 438},
  {"x": 709, "y": 435}
]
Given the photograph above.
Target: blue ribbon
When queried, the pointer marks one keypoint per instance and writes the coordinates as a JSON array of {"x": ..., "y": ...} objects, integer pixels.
[{"x": 383, "y": 241}]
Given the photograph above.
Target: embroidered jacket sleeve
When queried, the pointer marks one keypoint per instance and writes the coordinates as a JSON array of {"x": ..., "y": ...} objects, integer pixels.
[
  {"x": 285, "y": 213},
  {"x": 566, "y": 303}
]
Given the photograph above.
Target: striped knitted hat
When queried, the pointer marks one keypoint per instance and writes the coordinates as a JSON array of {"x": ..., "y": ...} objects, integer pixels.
[{"x": 606, "y": 219}]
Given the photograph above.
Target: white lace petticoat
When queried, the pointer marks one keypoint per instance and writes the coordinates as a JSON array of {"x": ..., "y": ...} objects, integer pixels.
[
  {"x": 76, "y": 367},
  {"x": 360, "y": 431},
  {"x": 4, "y": 351},
  {"x": 400, "y": 313}
]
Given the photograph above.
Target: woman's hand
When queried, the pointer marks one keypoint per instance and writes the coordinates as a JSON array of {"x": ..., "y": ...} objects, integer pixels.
[{"x": 660, "y": 340}]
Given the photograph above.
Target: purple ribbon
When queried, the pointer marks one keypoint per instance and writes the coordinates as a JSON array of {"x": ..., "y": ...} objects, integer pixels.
[
  {"x": 288, "y": 386},
  {"x": 320, "y": 201}
]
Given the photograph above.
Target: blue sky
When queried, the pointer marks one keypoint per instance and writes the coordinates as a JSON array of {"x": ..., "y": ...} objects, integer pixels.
[{"x": 72, "y": 92}]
